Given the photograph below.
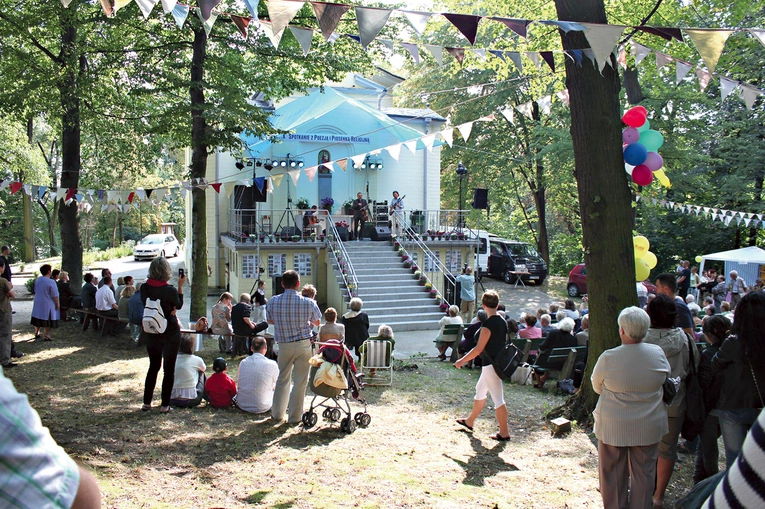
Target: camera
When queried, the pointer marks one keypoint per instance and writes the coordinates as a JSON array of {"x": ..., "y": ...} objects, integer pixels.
[{"x": 181, "y": 273}]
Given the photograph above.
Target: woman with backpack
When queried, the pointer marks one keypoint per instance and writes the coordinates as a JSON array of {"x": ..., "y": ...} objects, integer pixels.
[{"x": 161, "y": 329}]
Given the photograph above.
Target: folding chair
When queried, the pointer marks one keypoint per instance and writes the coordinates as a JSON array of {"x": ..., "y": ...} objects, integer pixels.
[{"x": 377, "y": 362}]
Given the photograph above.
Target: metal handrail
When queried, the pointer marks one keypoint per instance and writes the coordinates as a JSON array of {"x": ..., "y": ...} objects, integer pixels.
[{"x": 341, "y": 257}]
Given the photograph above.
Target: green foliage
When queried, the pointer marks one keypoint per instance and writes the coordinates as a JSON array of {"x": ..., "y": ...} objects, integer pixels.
[
  {"x": 91, "y": 256},
  {"x": 30, "y": 283}
]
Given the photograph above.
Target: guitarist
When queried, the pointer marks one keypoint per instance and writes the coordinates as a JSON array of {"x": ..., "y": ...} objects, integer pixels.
[
  {"x": 360, "y": 215},
  {"x": 397, "y": 213}
]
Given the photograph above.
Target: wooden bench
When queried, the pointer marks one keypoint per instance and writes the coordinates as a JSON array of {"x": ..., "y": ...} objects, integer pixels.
[
  {"x": 560, "y": 363},
  {"x": 268, "y": 337},
  {"x": 102, "y": 318},
  {"x": 524, "y": 345},
  {"x": 451, "y": 336}
]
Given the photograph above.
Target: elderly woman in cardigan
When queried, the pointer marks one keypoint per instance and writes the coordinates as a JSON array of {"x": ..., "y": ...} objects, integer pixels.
[{"x": 630, "y": 418}]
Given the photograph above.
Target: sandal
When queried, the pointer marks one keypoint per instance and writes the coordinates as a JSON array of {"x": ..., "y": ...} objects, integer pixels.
[
  {"x": 442, "y": 357},
  {"x": 145, "y": 407},
  {"x": 463, "y": 422},
  {"x": 498, "y": 437},
  {"x": 47, "y": 338},
  {"x": 165, "y": 410}
]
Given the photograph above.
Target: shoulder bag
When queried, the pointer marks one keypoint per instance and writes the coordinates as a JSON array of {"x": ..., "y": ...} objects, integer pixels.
[{"x": 694, "y": 399}]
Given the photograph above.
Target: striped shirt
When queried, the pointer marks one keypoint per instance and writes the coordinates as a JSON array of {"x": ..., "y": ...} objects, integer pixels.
[
  {"x": 292, "y": 314},
  {"x": 743, "y": 486},
  {"x": 35, "y": 472}
]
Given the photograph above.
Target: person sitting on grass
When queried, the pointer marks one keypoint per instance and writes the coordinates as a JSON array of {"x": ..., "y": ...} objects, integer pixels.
[
  {"x": 189, "y": 385},
  {"x": 220, "y": 388},
  {"x": 331, "y": 329},
  {"x": 257, "y": 379},
  {"x": 453, "y": 318}
]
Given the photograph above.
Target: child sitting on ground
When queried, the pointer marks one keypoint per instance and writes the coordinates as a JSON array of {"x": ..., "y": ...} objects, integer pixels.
[{"x": 220, "y": 387}]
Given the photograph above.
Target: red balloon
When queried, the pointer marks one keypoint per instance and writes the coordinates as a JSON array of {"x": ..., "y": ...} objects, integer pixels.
[
  {"x": 634, "y": 118},
  {"x": 641, "y": 108},
  {"x": 642, "y": 175}
]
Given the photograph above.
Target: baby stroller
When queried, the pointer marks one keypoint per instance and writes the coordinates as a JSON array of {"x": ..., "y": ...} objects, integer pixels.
[{"x": 333, "y": 399}]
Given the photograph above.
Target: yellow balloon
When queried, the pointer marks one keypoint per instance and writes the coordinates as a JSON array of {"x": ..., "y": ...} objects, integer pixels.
[
  {"x": 698, "y": 259},
  {"x": 641, "y": 245},
  {"x": 642, "y": 271},
  {"x": 650, "y": 259}
]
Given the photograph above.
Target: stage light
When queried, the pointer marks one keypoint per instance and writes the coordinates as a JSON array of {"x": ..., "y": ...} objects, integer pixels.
[
  {"x": 293, "y": 164},
  {"x": 249, "y": 162},
  {"x": 239, "y": 165},
  {"x": 364, "y": 165},
  {"x": 300, "y": 164},
  {"x": 283, "y": 163},
  {"x": 268, "y": 167},
  {"x": 379, "y": 165},
  {"x": 258, "y": 163}
]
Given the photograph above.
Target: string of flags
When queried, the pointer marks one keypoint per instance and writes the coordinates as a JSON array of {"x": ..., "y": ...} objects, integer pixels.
[
  {"x": 725, "y": 216},
  {"x": 603, "y": 38}
]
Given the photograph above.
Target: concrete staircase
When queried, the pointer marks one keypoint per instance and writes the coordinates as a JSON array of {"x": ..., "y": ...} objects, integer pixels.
[{"x": 390, "y": 293}]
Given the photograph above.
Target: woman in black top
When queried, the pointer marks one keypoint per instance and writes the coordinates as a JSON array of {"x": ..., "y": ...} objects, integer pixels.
[
  {"x": 490, "y": 342},
  {"x": 356, "y": 326},
  {"x": 162, "y": 348}
]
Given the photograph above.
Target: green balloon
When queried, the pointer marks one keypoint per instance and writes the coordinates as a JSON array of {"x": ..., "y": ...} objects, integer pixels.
[
  {"x": 652, "y": 140},
  {"x": 644, "y": 127}
]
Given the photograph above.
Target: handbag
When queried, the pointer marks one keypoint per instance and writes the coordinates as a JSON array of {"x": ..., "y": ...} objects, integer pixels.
[
  {"x": 506, "y": 361},
  {"x": 694, "y": 399},
  {"x": 669, "y": 391}
]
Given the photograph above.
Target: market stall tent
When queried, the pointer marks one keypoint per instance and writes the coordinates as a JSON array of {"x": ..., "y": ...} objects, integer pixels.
[{"x": 748, "y": 262}]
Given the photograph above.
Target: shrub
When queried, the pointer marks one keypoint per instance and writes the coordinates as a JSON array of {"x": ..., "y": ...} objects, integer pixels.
[{"x": 30, "y": 284}]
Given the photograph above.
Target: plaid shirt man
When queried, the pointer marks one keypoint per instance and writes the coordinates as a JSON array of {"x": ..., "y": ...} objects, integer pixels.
[{"x": 292, "y": 314}]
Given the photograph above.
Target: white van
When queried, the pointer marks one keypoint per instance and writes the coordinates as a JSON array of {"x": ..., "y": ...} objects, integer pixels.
[{"x": 509, "y": 259}]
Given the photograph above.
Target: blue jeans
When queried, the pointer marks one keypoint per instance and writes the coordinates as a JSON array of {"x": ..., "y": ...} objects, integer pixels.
[{"x": 734, "y": 425}]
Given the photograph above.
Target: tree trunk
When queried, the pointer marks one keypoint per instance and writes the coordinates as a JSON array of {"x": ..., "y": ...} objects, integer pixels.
[
  {"x": 198, "y": 170},
  {"x": 71, "y": 248},
  {"x": 604, "y": 193},
  {"x": 540, "y": 201},
  {"x": 26, "y": 207}
]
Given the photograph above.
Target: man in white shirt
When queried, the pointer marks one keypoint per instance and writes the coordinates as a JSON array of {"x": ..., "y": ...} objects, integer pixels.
[
  {"x": 737, "y": 288},
  {"x": 106, "y": 304},
  {"x": 690, "y": 300},
  {"x": 257, "y": 380}
]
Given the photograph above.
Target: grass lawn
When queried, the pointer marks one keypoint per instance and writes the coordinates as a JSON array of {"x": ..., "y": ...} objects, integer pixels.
[{"x": 88, "y": 392}]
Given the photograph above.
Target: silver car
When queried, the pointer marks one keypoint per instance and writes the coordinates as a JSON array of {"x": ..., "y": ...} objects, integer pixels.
[{"x": 159, "y": 244}]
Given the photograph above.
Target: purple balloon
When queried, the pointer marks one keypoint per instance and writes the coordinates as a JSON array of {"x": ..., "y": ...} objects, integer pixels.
[
  {"x": 654, "y": 161},
  {"x": 635, "y": 154},
  {"x": 630, "y": 135}
]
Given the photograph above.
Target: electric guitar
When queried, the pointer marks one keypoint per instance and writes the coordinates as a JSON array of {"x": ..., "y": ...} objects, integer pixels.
[{"x": 394, "y": 203}]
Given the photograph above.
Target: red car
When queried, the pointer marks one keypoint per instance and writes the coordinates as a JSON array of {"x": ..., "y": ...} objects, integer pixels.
[{"x": 577, "y": 282}]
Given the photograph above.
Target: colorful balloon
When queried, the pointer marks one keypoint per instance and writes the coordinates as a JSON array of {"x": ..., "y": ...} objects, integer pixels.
[
  {"x": 651, "y": 140},
  {"x": 628, "y": 168},
  {"x": 643, "y": 128},
  {"x": 642, "y": 175},
  {"x": 641, "y": 246},
  {"x": 642, "y": 270},
  {"x": 641, "y": 108},
  {"x": 654, "y": 161},
  {"x": 698, "y": 259},
  {"x": 635, "y": 154},
  {"x": 650, "y": 259},
  {"x": 630, "y": 135},
  {"x": 634, "y": 117}
]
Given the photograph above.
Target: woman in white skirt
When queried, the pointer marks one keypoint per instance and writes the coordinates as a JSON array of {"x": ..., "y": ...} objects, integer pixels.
[{"x": 491, "y": 341}]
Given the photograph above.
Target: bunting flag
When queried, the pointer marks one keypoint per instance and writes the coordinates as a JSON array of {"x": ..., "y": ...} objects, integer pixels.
[
  {"x": 640, "y": 52},
  {"x": 146, "y": 7},
  {"x": 428, "y": 140},
  {"x": 328, "y": 15},
  {"x": 682, "y": 70},
  {"x": 180, "y": 13},
  {"x": 480, "y": 53},
  {"x": 498, "y": 54},
  {"x": 703, "y": 77},
  {"x": 516, "y": 25},
  {"x": 242, "y": 24},
  {"x": 437, "y": 52},
  {"x": 295, "y": 176},
  {"x": 749, "y": 94},
  {"x": 418, "y": 20},
  {"x": 458, "y": 53},
  {"x": 281, "y": 12},
  {"x": 448, "y": 136},
  {"x": 274, "y": 37},
  {"x": 709, "y": 43},
  {"x": 467, "y": 24},
  {"x": 667, "y": 33},
  {"x": 394, "y": 151},
  {"x": 371, "y": 21},
  {"x": 311, "y": 173},
  {"x": 70, "y": 194},
  {"x": 216, "y": 187},
  {"x": 387, "y": 42},
  {"x": 727, "y": 86},
  {"x": 342, "y": 163},
  {"x": 509, "y": 115},
  {"x": 358, "y": 159},
  {"x": 545, "y": 104},
  {"x": 564, "y": 97},
  {"x": 662, "y": 60},
  {"x": 527, "y": 109},
  {"x": 229, "y": 187},
  {"x": 60, "y": 192},
  {"x": 304, "y": 37},
  {"x": 205, "y": 9},
  {"x": 411, "y": 145},
  {"x": 759, "y": 34},
  {"x": 602, "y": 39},
  {"x": 252, "y": 6},
  {"x": 465, "y": 130},
  {"x": 209, "y": 22},
  {"x": 66, "y": 3},
  {"x": 14, "y": 187},
  {"x": 516, "y": 58},
  {"x": 413, "y": 50},
  {"x": 548, "y": 57},
  {"x": 169, "y": 5}
]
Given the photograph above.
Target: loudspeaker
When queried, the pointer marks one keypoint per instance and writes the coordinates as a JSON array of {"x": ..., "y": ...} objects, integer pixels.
[
  {"x": 343, "y": 233},
  {"x": 259, "y": 196},
  {"x": 480, "y": 198},
  {"x": 380, "y": 233}
]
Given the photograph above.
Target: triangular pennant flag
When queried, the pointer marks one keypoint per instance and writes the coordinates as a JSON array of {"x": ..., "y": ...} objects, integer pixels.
[
  {"x": 146, "y": 6},
  {"x": 662, "y": 60},
  {"x": 15, "y": 186},
  {"x": 113, "y": 196},
  {"x": 304, "y": 37},
  {"x": 354, "y": 37},
  {"x": 241, "y": 24},
  {"x": 727, "y": 86},
  {"x": 758, "y": 33},
  {"x": 294, "y": 175},
  {"x": 509, "y": 114},
  {"x": 411, "y": 145},
  {"x": 703, "y": 77},
  {"x": 160, "y": 193},
  {"x": 4, "y": 183},
  {"x": 747, "y": 221},
  {"x": 749, "y": 94},
  {"x": 28, "y": 189},
  {"x": 467, "y": 24},
  {"x": 259, "y": 183},
  {"x": 437, "y": 52},
  {"x": 328, "y": 15},
  {"x": 216, "y": 186},
  {"x": 148, "y": 193},
  {"x": 60, "y": 192},
  {"x": 417, "y": 19},
  {"x": 358, "y": 159},
  {"x": 394, "y": 151},
  {"x": 36, "y": 192},
  {"x": 458, "y": 53},
  {"x": 428, "y": 140},
  {"x": 342, "y": 163},
  {"x": 209, "y": 22},
  {"x": 549, "y": 58},
  {"x": 622, "y": 58},
  {"x": 131, "y": 197},
  {"x": 275, "y": 38},
  {"x": 180, "y": 13},
  {"x": 465, "y": 130},
  {"x": 682, "y": 70},
  {"x": 667, "y": 33},
  {"x": 498, "y": 54},
  {"x": 387, "y": 43},
  {"x": 70, "y": 193},
  {"x": 169, "y": 5},
  {"x": 480, "y": 53},
  {"x": 370, "y": 20},
  {"x": 487, "y": 118},
  {"x": 602, "y": 39},
  {"x": 591, "y": 55},
  {"x": 516, "y": 58},
  {"x": 545, "y": 104},
  {"x": 229, "y": 187},
  {"x": 311, "y": 173},
  {"x": 516, "y": 25},
  {"x": 281, "y": 12},
  {"x": 206, "y": 7},
  {"x": 566, "y": 26},
  {"x": 534, "y": 57},
  {"x": 709, "y": 43},
  {"x": 413, "y": 50},
  {"x": 448, "y": 135},
  {"x": 563, "y": 96},
  {"x": 66, "y": 3},
  {"x": 640, "y": 52},
  {"x": 252, "y": 6},
  {"x": 140, "y": 194},
  {"x": 527, "y": 109}
]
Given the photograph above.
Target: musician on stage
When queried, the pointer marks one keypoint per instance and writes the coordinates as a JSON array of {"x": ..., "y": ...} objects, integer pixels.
[
  {"x": 397, "y": 213},
  {"x": 360, "y": 215}
]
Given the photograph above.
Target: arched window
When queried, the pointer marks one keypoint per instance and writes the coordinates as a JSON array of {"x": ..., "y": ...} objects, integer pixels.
[{"x": 324, "y": 157}]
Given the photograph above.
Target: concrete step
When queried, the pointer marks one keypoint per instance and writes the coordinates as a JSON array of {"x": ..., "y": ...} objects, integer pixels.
[
  {"x": 436, "y": 315},
  {"x": 372, "y": 296},
  {"x": 427, "y": 307},
  {"x": 405, "y": 326}
]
